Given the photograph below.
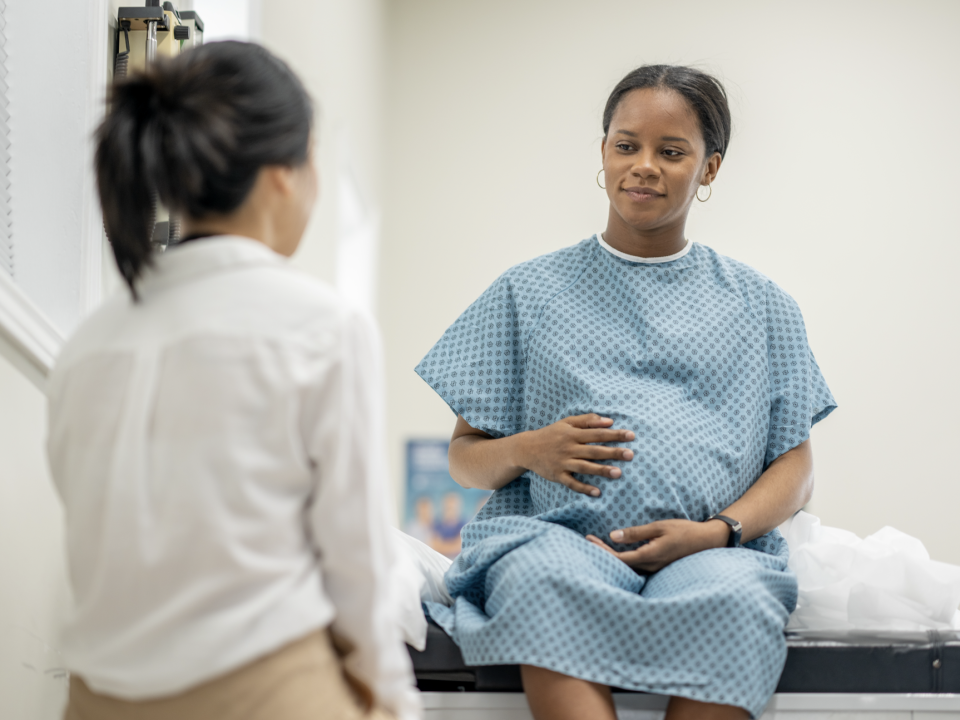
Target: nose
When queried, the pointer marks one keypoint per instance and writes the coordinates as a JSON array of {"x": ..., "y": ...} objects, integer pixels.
[{"x": 645, "y": 165}]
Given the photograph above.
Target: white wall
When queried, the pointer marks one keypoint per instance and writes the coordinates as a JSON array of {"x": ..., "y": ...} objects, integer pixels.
[
  {"x": 55, "y": 92},
  {"x": 55, "y": 224},
  {"x": 337, "y": 49},
  {"x": 33, "y": 588},
  {"x": 840, "y": 184}
]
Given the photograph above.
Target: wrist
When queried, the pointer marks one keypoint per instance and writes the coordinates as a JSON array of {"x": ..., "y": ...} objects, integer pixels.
[
  {"x": 716, "y": 533},
  {"x": 518, "y": 452}
]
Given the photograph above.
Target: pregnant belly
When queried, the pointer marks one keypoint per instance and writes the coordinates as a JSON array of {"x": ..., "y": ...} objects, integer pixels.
[
  {"x": 628, "y": 501},
  {"x": 648, "y": 490}
]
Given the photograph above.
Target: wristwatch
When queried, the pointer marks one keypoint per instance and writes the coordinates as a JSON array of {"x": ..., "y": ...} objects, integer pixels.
[{"x": 736, "y": 529}]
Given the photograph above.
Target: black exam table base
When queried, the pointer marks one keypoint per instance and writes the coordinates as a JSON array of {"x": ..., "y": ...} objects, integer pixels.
[{"x": 844, "y": 663}]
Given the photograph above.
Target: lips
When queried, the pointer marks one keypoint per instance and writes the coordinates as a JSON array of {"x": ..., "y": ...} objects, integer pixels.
[{"x": 642, "y": 194}]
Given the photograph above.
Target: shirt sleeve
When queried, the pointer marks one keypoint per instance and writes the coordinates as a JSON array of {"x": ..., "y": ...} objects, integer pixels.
[
  {"x": 799, "y": 396},
  {"x": 348, "y": 519},
  {"x": 477, "y": 366}
]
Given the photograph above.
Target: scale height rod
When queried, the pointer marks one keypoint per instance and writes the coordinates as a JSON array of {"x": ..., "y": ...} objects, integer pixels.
[{"x": 151, "y": 50}]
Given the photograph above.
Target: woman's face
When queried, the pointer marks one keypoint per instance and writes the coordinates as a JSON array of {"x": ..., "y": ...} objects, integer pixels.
[{"x": 654, "y": 159}]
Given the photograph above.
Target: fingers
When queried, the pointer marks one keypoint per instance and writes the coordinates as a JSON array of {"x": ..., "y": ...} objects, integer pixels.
[
  {"x": 637, "y": 533},
  {"x": 643, "y": 554},
  {"x": 605, "y": 436},
  {"x": 571, "y": 482},
  {"x": 590, "y": 420},
  {"x": 588, "y": 468},
  {"x": 601, "y": 452},
  {"x": 600, "y": 543},
  {"x": 645, "y": 558}
]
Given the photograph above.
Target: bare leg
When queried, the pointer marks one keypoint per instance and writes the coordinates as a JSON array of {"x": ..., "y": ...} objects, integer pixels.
[
  {"x": 684, "y": 709},
  {"x": 553, "y": 696}
]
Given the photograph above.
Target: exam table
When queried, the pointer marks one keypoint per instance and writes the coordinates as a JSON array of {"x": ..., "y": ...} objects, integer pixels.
[{"x": 884, "y": 676}]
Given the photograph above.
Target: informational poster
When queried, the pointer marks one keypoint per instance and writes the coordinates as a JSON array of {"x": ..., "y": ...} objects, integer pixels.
[{"x": 437, "y": 508}]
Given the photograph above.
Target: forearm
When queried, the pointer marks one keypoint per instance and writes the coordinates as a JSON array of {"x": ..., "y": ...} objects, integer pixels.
[
  {"x": 478, "y": 461},
  {"x": 571, "y": 445},
  {"x": 783, "y": 489}
]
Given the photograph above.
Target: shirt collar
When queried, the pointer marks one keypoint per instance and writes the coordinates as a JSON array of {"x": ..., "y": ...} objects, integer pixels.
[
  {"x": 637, "y": 259},
  {"x": 205, "y": 257}
]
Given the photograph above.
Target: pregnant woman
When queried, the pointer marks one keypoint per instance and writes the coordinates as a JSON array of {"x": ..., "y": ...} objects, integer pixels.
[{"x": 642, "y": 406}]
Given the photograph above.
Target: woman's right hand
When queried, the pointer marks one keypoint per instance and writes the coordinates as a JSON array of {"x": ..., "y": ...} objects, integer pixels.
[{"x": 568, "y": 446}]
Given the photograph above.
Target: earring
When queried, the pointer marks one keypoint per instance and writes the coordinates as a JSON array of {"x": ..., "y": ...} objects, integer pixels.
[
  {"x": 709, "y": 193},
  {"x": 602, "y": 187}
]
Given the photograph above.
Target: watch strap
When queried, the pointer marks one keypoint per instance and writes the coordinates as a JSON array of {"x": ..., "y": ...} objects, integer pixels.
[{"x": 736, "y": 529}]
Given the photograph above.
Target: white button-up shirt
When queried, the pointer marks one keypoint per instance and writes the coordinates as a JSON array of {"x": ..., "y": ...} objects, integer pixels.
[{"x": 218, "y": 450}]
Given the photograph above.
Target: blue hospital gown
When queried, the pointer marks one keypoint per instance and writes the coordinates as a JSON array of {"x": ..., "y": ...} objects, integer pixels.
[{"x": 707, "y": 361}]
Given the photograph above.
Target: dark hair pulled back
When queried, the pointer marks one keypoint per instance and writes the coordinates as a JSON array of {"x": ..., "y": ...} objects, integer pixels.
[
  {"x": 704, "y": 93},
  {"x": 193, "y": 133}
]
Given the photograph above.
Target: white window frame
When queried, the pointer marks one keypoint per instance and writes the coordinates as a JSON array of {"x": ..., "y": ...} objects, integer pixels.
[{"x": 28, "y": 339}]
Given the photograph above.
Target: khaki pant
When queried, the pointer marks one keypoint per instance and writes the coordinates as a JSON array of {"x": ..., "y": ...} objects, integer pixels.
[{"x": 301, "y": 681}]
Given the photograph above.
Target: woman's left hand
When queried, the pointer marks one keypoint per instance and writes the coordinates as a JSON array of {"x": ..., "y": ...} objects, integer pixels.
[{"x": 666, "y": 541}]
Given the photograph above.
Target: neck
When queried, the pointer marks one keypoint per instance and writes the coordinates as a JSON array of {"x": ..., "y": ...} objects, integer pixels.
[
  {"x": 658, "y": 242},
  {"x": 244, "y": 224}
]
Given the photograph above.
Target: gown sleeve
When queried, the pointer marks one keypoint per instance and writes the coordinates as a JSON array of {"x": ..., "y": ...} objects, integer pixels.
[
  {"x": 799, "y": 396},
  {"x": 477, "y": 366}
]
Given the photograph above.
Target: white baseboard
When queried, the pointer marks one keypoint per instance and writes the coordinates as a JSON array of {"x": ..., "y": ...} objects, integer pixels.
[{"x": 783, "y": 706}]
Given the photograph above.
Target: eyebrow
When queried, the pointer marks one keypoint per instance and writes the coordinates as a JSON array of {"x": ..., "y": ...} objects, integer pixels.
[{"x": 667, "y": 138}]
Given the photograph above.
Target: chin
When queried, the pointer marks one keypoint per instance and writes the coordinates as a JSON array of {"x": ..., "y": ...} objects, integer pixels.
[
  {"x": 644, "y": 224},
  {"x": 645, "y": 221}
]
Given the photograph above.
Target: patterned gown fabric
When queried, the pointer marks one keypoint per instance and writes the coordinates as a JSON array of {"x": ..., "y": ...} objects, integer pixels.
[{"x": 707, "y": 362}]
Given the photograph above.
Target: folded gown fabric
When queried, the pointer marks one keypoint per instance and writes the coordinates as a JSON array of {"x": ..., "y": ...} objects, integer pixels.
[
  {"x": 707, "y": 627},
  {"x": 707, "y": 362}
]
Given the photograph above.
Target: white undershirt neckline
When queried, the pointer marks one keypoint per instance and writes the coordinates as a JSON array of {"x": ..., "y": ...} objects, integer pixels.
[{"x": 637, "y": 259}]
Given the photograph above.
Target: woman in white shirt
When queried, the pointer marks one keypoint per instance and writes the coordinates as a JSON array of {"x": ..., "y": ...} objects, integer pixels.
[{"x": 215, "y": 434}]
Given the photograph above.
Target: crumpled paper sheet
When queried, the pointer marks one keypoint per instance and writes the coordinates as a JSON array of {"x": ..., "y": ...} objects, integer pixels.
[{"x": 885, "y": 582}]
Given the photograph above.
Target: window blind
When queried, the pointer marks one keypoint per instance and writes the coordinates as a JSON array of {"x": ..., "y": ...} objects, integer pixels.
[{"x": 6, "y": 241}]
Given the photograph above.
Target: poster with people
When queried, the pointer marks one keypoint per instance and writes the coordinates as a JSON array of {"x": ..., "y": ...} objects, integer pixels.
[{"x": 436, "y": 507}]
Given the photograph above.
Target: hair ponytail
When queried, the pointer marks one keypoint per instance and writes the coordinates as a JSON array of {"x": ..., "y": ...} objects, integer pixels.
[{"x": 193, "y": 133}]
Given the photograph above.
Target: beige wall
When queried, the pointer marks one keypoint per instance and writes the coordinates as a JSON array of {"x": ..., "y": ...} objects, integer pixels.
[
  {"x": 33, "y": 590},
  {"x": 840, "y": 184}
]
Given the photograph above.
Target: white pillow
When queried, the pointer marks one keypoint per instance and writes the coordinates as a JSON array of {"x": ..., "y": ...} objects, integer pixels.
[
  {"x": 418, "y": 577},
  {"x": 431, "y": 564}
]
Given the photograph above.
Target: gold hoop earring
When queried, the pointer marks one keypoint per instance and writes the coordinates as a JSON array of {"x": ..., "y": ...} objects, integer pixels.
[
  {"x": 709, "y": 194},
  {"x": 602, "y": 187}
]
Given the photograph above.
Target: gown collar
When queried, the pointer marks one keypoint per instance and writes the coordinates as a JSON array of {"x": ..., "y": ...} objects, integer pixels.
[{"x": 637, "y": 259}]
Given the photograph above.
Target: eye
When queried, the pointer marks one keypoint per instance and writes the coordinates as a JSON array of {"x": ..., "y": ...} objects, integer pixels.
[
  {"x": 670, "y": 152},
  {"x": 624, "y": 147}
]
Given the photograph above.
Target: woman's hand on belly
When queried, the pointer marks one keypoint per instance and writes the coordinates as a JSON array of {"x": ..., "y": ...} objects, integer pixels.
[
  {"x": 566, "y": 447},
  {"x": 555, "y": 452},
  {"x": 665, "y": 542}
]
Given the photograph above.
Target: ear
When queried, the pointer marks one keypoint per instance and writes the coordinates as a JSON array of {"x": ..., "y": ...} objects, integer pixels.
[
  {"x": 280, "y": 178},
  {"x": 603, "y": 149},
  {"x": 711, "y": 169}
]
